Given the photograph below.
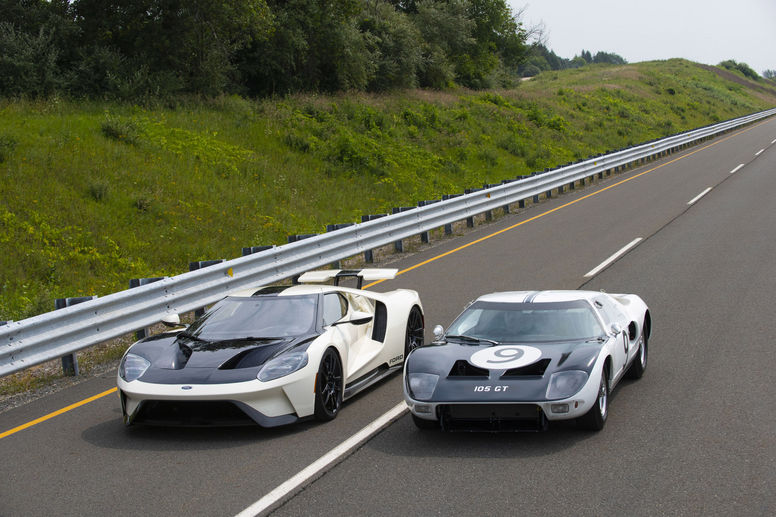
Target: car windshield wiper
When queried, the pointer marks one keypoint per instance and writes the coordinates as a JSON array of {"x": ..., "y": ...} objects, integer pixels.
[{"x": 473, "y": 339}]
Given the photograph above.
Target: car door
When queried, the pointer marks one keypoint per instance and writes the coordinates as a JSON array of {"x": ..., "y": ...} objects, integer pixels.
[
  {"x": 365, "y": 352},
  {"x": 612, "y": 316}
]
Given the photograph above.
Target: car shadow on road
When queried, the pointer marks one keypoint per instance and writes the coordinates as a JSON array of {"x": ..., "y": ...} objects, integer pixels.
[
  {"x": 405, "y": 439},
  {"x": 113, "y": 434}
]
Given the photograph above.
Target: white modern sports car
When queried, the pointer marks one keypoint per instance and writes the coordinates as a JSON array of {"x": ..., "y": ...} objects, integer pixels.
[
  {"x": 272, "y": 355},
  {"x": 516, "y": 360}
]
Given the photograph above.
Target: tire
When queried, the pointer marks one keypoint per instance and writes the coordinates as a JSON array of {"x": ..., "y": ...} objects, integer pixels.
[
  {"x": 413, "y": 338},
  {"x": 422, "y": 423},
  {"x": 328, "y": 386},
  {"x": 595, "y": 418},
  {"x": 639, "y": 364}
]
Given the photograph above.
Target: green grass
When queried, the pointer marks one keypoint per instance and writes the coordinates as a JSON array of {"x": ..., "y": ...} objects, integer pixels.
[{"x": 93, "y": 194}]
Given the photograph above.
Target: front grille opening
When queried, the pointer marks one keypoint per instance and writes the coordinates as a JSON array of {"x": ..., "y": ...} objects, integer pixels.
[
  {"x": 537, "y": 369},
  {"x": 191, "y": 413},
  {"x": 493, "y": 417},
  {"x": 462, "y": 368}
]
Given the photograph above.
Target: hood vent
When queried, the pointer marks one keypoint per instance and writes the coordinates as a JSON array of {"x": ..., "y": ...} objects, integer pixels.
[
  {"x": 462, "y": 368},
  {"x": 536, "y": 369}
]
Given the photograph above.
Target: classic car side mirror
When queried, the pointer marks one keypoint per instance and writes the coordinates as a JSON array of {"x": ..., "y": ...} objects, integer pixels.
[
  {"x": 171, "y": 320},
  {"x": 439, "y": 331}
]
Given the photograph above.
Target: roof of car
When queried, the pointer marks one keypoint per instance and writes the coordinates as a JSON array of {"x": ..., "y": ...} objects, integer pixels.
[{"x": 538, "y": 296}]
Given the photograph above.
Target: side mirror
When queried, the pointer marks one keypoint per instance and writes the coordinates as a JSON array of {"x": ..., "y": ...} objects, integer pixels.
[
  {"x": 616, "y": 329},
  {"x": 171, "y": 320},
  {"x": 439, "y": 331}
]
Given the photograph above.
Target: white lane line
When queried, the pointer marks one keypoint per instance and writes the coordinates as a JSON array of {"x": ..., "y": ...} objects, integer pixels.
[
  {"x": 696, "y": 198},
  {"x": 737, "y": 169},
  {"x": 319, "y": 465},
  {"x": 614, "y": 257},
  {"x": 774, "y": 142},
  {"x": 758, "y": 153}
]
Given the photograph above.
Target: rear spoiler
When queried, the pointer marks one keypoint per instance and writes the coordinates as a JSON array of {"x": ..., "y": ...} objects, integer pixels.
[{"x": 370, "y": 275}]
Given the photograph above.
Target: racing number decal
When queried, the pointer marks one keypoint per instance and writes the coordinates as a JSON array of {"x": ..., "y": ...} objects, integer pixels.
[{"x": 505, "y": 357}]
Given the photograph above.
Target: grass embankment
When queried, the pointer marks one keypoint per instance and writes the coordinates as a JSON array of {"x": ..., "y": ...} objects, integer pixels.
[{"x": 93, "y": 194}]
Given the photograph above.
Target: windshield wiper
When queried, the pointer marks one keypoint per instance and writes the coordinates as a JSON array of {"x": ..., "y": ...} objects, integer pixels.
[
  {"x": 473, "y": 339},
  {"x": 600, "y": 339}
]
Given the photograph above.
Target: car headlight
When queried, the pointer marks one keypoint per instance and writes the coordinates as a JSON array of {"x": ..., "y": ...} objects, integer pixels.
[
  {"x": 565, "y": 384},
  {"x": 422, "y": 385},
  {"x": 282, "y": 365},
  {"x": 133, "y": 366}
]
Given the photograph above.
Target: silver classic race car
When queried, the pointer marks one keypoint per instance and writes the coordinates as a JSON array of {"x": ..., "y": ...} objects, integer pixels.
[
  {"x": 516, "y": 360},
  {"x": 272, "y": 355}
]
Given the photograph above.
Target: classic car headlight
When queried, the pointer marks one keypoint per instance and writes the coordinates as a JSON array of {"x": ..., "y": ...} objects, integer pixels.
[
  {"x": 133, "y": 366},
  {"x": 565, "y": 384},
  {"x": 282, "y": 365},
  {"x": 422, "y": 385}
]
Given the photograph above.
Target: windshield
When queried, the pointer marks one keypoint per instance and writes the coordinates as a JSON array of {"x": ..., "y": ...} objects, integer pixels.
[
  {"x": 527, "y": 322},
  {"x": 256, "y": 317}
]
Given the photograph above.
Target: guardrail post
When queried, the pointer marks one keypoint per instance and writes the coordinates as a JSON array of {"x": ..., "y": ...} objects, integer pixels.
[
  {"x": 70, "y": 361},
  {"x": 424, "y": 237},
  {"x": 250, "y": 250},
  {"x": 449, "y": 226},
  {"x": 193, "y": 266},
  {"x": 137, "y": 282},
  {"x": 398, "y": 246},
  {"x": 369, "y": 256},
  {"x": 334, "y": 227},
  {"x": 470, "y": 220}
]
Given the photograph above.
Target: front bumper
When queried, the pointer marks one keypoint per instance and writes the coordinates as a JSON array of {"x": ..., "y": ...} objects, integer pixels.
[
  {"x": 500, "y": 412},
  {"x": 268, "y": 404}
]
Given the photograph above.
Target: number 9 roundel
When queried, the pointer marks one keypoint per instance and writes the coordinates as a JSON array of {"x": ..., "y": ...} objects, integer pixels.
[{"x": 505, "y": 356}]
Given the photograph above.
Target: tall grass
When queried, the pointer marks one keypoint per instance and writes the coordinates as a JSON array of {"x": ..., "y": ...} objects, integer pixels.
[{"x": 93, "y": 194}]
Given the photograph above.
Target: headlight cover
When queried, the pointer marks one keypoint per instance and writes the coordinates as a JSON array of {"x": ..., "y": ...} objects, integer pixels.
[
  {"x": 564, "y": 384},
  {"x": 133, "y": 366},
  {"x": 282, "y": 365},
  {"x": 422, "y": 385}
]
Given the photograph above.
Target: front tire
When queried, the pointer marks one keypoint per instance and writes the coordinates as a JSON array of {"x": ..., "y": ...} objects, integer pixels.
[
  {"x": 595, "y": 418},
  {"x": 328, "y": 386},
  {"x": 415, "y": 328}
]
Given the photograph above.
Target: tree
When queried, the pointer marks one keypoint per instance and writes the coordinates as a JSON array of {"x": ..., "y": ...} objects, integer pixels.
[
  {"x": 769, "y": 74},
  {"x": 396, "y": 47},
  {"x": 192, "y": 42}
]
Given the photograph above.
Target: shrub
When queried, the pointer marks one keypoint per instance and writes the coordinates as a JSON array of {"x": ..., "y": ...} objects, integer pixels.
[
  {"x": 123, "y": 130},
  {"x": 7, "y": 146}
]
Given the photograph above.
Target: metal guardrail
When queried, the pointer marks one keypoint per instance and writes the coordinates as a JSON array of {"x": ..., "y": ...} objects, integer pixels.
[{"x": 52, "y": 335}]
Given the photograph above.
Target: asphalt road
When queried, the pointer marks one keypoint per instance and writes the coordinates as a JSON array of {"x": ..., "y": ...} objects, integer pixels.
[{"x": 695, "y": 436}]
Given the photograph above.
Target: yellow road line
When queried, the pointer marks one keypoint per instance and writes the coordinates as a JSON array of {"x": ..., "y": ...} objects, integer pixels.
[
  {"x": 56, "y": 413},
  {"x": 113, "y": 390}
]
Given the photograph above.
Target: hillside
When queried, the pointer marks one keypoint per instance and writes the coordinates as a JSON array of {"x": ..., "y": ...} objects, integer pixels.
[{"x": 93, "y": 194}]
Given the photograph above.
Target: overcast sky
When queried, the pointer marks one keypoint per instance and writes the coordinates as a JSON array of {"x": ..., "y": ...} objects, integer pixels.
[{"x": 705, "y": 31}]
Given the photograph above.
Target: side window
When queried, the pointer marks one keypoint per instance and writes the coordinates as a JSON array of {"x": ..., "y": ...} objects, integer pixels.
[{"x": 334, "y": 308}]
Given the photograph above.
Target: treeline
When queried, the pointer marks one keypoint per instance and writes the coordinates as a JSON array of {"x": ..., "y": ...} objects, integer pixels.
[
  {"x": 128, "y": 49},
  {"x": 539, "y": 59}
]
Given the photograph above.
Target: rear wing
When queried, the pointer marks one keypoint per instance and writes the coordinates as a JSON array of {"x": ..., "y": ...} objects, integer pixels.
[{"x": 370, "y": 275}]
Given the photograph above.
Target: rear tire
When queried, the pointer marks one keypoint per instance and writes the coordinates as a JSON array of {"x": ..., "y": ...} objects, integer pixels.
[
  {"x": 595, "y": 418},
  {"x": 413, "y": 338},
  {"x": 639, "y": 364},
  {"x": 328, "y": 386},
  {"x": 422, "y": 423}
]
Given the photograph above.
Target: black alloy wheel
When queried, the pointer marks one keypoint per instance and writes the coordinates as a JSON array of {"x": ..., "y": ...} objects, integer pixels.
[
  {"x": 415, "y": 329},
  {"x": 328, "y": 386}
]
